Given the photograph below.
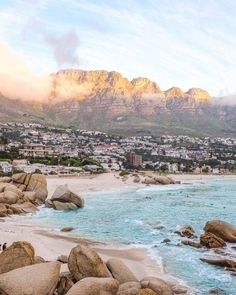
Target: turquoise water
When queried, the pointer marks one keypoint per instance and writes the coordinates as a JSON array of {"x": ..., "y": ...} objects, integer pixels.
[{"x": 130, "y": 217}]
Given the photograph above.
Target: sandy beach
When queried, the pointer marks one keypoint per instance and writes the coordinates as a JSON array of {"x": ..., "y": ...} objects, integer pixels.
[{"x": 50, "y": 244}]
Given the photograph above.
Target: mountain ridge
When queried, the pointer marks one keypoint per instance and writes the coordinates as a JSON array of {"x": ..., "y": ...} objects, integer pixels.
[{"x": 108, "y": 101}]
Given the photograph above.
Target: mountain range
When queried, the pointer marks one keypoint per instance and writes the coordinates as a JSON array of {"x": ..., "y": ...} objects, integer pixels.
[{"x": 108, "y": 101}]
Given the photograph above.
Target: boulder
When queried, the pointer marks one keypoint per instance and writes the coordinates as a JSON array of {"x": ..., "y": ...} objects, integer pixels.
[
  {"x": 34, "y": 183},
  {"x": 67, "y": 229},
  {"x": 39, "y": 259},
  {"x": 217, "y": 291},
  {"x": 9, "y": 197},
  {"x": 186, "y": 231},
  {"x": 164, "y": 180},
  {"x": 37, "y": 183},
  {"x": 30, "y": 196},
  {"x": 19, "y": 178},
  {"x": 85, "y": 262},
  {"x": 210, "y": 240},
  {"x": 3, "y": 210},
  {"x": 38, "y": 279},
  {"x": 64, "y": 284},
  {"x": 120, "y": 271},
  {"x": 5, "y": 179},
  {"x": 221, "y": 229},
  {"x": 157, "y": 285},
  {"x": 19, "y": 254},
  {"x": 129, "y": 288},
  {"x": 64, "y": 206},
  {"x": 191, "y": 243},
  {"x": 64, "y": 195},
  {"x": 26, "y": 207},
  {"x": 95, "y": 286},
  {"x": 220, "y": 262}
]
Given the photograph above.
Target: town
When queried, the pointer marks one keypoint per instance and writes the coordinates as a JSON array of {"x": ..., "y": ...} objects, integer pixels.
[{"x": 32, "y": 147}]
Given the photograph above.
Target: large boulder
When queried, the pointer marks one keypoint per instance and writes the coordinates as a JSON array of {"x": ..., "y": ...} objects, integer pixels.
[
  {"x": 85, "y": 262},
  {"x": 34, "y": 183},
  {"x": 37, "y": 279},
  {"x": 95, "y": 286},
  {"x": 210, "y": 240},
  {"x": 147, "y": 291},
  {"x": 157, "y": 285},
  {"x": 120, "y": 271},
  {"x": 38, "y": 184},
  {"x": 64, "y": 195},
  {"x": 19, "y": 254},
  {"x": 221, "y": 229}
]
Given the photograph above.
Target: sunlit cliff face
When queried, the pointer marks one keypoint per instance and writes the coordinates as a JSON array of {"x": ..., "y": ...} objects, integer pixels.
[{"x": 18, "y": 82}]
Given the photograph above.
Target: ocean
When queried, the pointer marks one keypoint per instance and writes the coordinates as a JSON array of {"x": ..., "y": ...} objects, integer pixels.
[{"x": 147, "y": 216}]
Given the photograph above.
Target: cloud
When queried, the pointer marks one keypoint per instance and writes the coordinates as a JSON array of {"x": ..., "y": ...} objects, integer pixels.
[
  {"x": 64, "y": 48},
  {"x": 17, "y": 80}
]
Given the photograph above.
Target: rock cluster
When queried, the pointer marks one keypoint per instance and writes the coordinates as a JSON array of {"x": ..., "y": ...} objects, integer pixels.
[
  {"x": 21, "y": 193},
  {"x": 164, "y": 180},
  {"x": 21, "y": 274},
  {"x": 216, "y": 234}
]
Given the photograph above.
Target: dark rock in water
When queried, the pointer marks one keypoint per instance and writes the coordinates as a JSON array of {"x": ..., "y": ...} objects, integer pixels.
[
  {"x": 166, "y": 241},
  {"x": 220, "y": 262},
  {"x": 186, "y": 231},
  {"x": 221, "y": 229},
  {"x": 191, "y": 243},
  {"x": 158, "y": 227},
  {"x": 217, "y": 291},
  {"x": 67, "y": 229},
  {"x": 210, "y": 240}
]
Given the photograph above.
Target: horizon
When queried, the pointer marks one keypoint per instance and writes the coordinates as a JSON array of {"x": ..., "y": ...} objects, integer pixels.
[{"x": 184, "y": 43}]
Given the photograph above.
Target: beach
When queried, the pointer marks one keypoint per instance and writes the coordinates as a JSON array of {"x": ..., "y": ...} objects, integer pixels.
[{"x": 50, "y": 243}]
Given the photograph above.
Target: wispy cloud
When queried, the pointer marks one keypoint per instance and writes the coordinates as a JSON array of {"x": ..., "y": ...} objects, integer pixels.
[{"x": 175, "y": 42}]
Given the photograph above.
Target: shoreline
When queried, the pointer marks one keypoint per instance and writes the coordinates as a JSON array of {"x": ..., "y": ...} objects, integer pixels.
[{"x": 45, "y": 240}]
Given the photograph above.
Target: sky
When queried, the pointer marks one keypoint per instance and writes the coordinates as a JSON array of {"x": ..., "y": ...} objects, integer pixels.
[{"x": 184, "y": 43}]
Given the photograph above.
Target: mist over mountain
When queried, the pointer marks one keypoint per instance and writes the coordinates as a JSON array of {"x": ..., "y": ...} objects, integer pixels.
[{"x": 108, "y": 101}]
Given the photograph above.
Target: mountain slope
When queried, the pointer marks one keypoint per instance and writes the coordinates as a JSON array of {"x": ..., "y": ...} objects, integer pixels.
[{"x": 110, "y": 102}]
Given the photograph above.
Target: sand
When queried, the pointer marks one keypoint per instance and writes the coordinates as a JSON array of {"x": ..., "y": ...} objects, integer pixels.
[{"x": 50, "y": 244}]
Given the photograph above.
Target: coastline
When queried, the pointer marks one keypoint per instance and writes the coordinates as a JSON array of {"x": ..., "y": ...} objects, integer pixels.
[{"x": 45, "y": 240}]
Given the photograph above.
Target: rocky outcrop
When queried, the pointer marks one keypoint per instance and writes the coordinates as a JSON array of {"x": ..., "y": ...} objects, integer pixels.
[
  {"x": 85, "y": 262},
  {"x": 34, "y": 183},
  {"x": 164, "y": 180},
  {"x": 19, "y": 254},
  {"x": 64, "y": 199},
  {"x": 95, "y": 286},
  {"x": 210, "y": 240},
  {"x": 221, "y": 262},
  {"x": 21, "y": 193},
  {"x": 221, "y": 229},
  {"x": 120, "y": 271},
  {"x": 38, "y": 279}
]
